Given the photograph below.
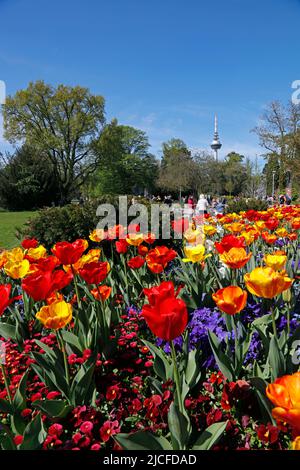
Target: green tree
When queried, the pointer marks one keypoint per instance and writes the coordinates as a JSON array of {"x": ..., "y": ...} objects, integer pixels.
[
  {"x": 208, "y": 174},
  {"x": 27, "y": 180},
  {"x": 272, "y": 167},
  {"x": 235, "y": 173},
  {"x": 177, "y": 167},
  {"x": 62, "y": 123},
  {"x": 279, "y": 135},
  {"x": 126, "y": 164}
]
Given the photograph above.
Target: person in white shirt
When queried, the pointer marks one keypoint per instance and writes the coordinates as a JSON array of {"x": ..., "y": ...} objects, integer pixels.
[{"x": 202, "y": 205}]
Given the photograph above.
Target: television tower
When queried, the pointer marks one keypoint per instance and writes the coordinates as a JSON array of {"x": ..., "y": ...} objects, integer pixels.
[{"x": 216, "y": 144}]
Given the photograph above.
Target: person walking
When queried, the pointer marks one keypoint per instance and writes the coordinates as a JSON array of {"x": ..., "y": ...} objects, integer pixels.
[{"x": 202, "y": 205}]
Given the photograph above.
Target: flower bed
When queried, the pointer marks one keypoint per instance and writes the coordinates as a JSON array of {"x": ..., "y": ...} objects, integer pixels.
[{"x": 190, "y": 346}]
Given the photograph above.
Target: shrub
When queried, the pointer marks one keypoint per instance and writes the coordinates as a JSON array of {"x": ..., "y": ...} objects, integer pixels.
[
  {"x": 245, "y": 204},
  {"x": 68, "y": 222}
]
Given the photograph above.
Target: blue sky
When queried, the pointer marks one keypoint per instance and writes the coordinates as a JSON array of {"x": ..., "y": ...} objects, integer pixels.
[{"x": 165, "y": 66}]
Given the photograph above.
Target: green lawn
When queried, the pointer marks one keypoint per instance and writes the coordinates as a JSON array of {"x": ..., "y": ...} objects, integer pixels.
[{"x": 8, "y": 223}]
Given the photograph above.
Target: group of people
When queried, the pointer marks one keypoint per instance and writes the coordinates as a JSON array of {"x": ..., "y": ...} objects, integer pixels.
[
  {"x": 282, "y": 199},
  {"x": 203, "y": 205}
]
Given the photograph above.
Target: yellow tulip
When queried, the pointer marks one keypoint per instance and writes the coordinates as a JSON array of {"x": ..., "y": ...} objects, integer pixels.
[
  {"x": 281, "y": 232},
  {"x": 249, "y": 237},
  {"x": 97, "y": 235},
  {"x": 195, "y": 254},
  {"x": 37, "y": 253},
  {"x": 56, "y": 315},
  {"x": 193, "y": 236},
  {"x": 17, "y": 269},
  {"x": 267, "y": 283},
  {"x": 15, "y": 255},
  {"x": 135, "y": 239},
  {"x": 209, "y": 230},
  {"x": 275, "y": 261}
]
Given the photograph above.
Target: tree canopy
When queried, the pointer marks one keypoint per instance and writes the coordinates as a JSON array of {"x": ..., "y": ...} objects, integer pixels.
[
  {"x": 61, "y": 123},
  {"x": 126, "y": 165}
]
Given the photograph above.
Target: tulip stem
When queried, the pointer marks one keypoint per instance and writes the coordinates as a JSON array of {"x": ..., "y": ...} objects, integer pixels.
[
  {"x": 235, "y": 339},
  {"x": 176, "y": 376},
  {"x": 76, "y": 287},
  {"x": 288, "y": 320},
  {"x": 274, "y": 322},
  {"x": 6, "y": 383},
  {"x": 63, "y": 350},
  {"x": 103, "y": 322}
]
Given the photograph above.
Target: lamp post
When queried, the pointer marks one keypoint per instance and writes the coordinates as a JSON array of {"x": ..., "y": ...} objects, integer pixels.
[{"x": 273, "y": 183}]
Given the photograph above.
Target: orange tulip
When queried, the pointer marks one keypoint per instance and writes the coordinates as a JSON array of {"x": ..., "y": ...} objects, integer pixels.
[
  {"x": 102, "y": 293},
  {"x": 284, "y": 393},
  {"x": 56, "y": 315},
  {"x": 282, "y": 232},
  {"x": 235, "y": 227},
  {"x": 296, "y": 223},
  {"x": 230, "y": 300},
  {"x": 269, "y": 238},
  {"x": 267, "y": 283},
  {"x": 296, "y": 444},
  {"x": 235, "y": 258}
]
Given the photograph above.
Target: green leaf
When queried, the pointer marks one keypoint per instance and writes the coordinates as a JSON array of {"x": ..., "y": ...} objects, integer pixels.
[
  {"x": 19, "y": 401},
  {"x": 222, "y": 360},
  {"x": 53, "y": 408},
  {"x": 210, "y": 436},
  {"x": 265, "y": 405},
  {"x": 71, "y": 339},
  {"x": 52, "y": 371},
  {"x": 179, "y": 427},
  {"x": 34, "y": 434},
  {"x": 49, "y": 351},
  {"x": 82, "y": 385},
  {"x": 276, "y": 359},
  {"x": 161, "y": 365},
  {"x": 7, "y": 331},
  {"x": 192, "y": 371},
  {"x": 142, "y": 440},
  {"x": 6, "y": 441},
  {"x": 17, "y": 423},
  {"x": 5, "y": 406}
]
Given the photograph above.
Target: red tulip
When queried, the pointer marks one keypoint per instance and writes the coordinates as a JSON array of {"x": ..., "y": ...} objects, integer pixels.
[
  {"x": 180, "y": 225},
  {"x": 29, "y": 243},
  {"x": 136, "y": 262},
  {"x": 47, "y": 264},
  {"x": 121, "y": 246},
  {"x": 228, "y": 242},
  {"x": 159, "y": 257},
  {"x": 41, "y": 284},
  {"x": 69, "y": 253},
  {"x": 272, "y": 223},
  {"x": 95, "y": 272},
  {"x": 5, "y": 301},
  {"x": 166, "y": 315},
  {"x": 142, "y": 250}
]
